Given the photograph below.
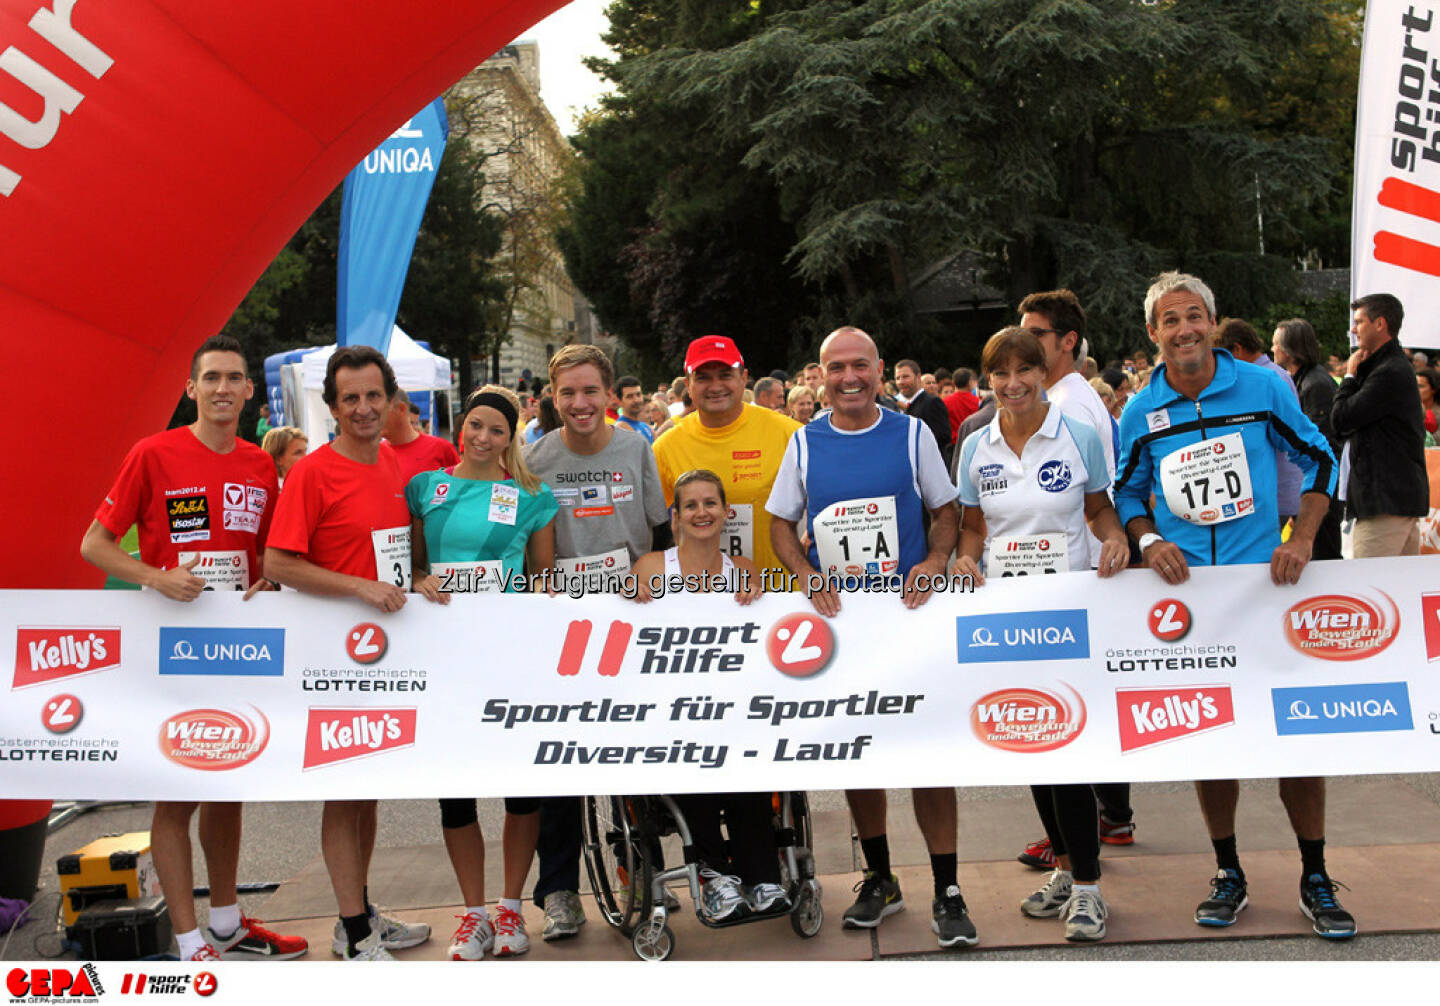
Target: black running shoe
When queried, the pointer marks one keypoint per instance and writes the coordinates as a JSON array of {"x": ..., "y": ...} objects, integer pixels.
[
  {"x": 951, "y": 924},
  {"x": 1227, "y": 897},
  {"x": 1318, "y": 902},
  {"x": 877, "y": 898}
]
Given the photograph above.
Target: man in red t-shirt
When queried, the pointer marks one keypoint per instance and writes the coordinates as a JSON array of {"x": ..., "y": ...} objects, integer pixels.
[
  {"x": 962, "y": 404},
  {"x": 202, "y": 500},
  {"x": 342, "y": 529},
  {"x": 415, "y": 452}
]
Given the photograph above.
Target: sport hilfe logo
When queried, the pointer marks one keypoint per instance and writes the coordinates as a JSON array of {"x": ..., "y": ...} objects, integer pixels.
[
  {"x": 805, "y": 648},
  {"x": 1155, "y": 715},
  {"x": 1342, "y": 709},
  {"x": 335, "y": 735},
  {"x": 214, "y": 740},
  {"x": 49, "y": 653},
  {"x": 62, "y": 714},
  {"x": 366, "y": 643},
  {"x": 203, "y": 983},
  {"x": 1028, "y": 720},
  {"x": 1342, "y": 626}
]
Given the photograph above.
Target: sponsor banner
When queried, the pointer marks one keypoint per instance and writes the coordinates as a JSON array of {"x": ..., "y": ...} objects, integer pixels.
[
  {"x": 1395, "y": 235},
  {"x": 1062, "y": 678}
]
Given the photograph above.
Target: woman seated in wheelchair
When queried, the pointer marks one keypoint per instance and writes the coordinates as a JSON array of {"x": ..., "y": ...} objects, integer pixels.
[{"x": 745, "y": 880}]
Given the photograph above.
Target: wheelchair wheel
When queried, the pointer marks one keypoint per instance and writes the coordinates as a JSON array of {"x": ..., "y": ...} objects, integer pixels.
[
  {"x": 653, "y": 941},
  {"x": 804, "y": 836},
  {"x": 808, "y": 915},
  {"x": 614, "y": 859}
]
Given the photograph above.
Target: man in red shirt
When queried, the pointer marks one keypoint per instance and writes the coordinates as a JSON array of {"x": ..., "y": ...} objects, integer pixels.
[
  {"x": 963, "y": 403},
  {"x": 202, "y": 500},
  {"x": 342, "y": 529},
  {"x": 415, "y": 452}
]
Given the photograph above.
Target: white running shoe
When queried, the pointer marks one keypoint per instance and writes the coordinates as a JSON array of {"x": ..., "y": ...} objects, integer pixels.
[
  {"x": 511, "y": 940},
  {"x": 1047, "y": 902},
  {"x": 472, "y": 938},
  {"x": 1085, "y": 915}
]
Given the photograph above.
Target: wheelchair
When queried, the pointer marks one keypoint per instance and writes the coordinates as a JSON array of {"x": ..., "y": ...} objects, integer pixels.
[{"x": 621, "y": 846}]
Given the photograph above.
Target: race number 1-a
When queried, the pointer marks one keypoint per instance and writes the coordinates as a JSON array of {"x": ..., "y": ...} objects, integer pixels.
[{"x": 858, "y": 537}]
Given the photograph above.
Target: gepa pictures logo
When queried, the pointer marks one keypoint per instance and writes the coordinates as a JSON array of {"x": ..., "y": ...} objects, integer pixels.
[{"x": 54, "y": 983}]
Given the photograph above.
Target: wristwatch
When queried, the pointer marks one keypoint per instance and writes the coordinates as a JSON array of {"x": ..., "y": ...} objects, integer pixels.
[{"x": 1148, "y": 539}]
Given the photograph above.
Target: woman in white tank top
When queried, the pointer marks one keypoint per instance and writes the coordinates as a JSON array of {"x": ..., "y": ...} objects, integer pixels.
[{"x": 742, "y": 878}]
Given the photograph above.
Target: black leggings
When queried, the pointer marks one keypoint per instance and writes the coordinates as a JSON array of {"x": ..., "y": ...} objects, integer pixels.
[
  {"x": 461, "y": 812},
  {"x": 1072, "y": 823},
  {"x": 753, "y": 856}
]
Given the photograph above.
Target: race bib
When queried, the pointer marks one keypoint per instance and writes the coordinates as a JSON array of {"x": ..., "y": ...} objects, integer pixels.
[
  {"x": 504, "y": 503},
  {"x": 470, "y": 577},
  {"x": 392, "y": 556},
  {"x": 739, "y": 536},
  {"x": 1029, "y": 554},
  {"x": 596, "y": 571},
  {"x": 858, "y": 537},
  {"x": 1208, "y": 482},
  {"x": 220, "y": 570}
]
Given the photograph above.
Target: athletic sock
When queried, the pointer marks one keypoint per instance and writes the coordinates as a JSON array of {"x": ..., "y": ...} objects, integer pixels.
[
  {"x": 481, "y": 911},
  {"x": 511, "y": 903},
  {"x": 1077, "y": 888},
  {"x": 365, "y": 893},
  {"x": 943, "y": 867},
  {"x": 1312, "y": 856},
  {"x": 1226, "y": 858},
  {"x": 877, "y": 855},
  {"x": 189, "y": 943},
  {"x": 224, "y": 920},
  {"x": 357, "y": 929}
]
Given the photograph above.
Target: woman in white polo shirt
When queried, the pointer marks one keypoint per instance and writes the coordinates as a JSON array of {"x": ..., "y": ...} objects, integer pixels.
[{"x": 1029, "y": 483}]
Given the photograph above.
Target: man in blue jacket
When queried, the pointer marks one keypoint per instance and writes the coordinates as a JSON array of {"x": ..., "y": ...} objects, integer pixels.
[{"x": 1203, "y": 437}]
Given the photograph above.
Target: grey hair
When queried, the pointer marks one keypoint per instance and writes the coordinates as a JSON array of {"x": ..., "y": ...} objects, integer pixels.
[{"x": 1177, "y": 282}]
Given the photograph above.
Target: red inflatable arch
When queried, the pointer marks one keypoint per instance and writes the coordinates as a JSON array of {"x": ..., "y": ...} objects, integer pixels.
[{"x": 154, "y": 156}]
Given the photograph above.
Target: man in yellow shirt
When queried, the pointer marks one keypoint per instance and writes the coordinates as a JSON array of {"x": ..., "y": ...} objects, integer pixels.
[{"x": 741, "y": 443}]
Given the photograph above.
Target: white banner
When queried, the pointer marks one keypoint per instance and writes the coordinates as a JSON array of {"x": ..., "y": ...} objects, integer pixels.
[
  {"x": 1059, "y": 678},
  {"x": 1395, "y": 235}
]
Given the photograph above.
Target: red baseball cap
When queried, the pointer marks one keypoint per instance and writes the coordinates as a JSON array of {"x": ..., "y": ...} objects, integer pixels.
[{"x": 712, "y": 349}]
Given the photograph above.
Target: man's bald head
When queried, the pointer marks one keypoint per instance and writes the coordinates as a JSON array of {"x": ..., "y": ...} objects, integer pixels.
[{"x": 847, "y": 339}]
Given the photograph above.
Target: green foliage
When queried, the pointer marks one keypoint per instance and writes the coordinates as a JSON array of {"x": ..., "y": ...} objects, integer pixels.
[{"x": 1080, "y": 143}]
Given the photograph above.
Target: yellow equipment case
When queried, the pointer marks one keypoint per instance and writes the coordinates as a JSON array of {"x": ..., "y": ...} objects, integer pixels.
[{"x": 109, "y": 868}]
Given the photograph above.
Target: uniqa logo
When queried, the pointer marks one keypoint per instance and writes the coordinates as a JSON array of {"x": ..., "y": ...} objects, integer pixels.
[
  {"x": 1342, "y": 626},
  {"x": 1028, "y": 720},
  {"x": 214, "y": 740}
]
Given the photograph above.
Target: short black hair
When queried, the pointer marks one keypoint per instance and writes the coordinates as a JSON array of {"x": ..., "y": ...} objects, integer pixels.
[
  {"x": 1382, "y": 305},
  {"x": 626, "y": 382},
  {"x": 1063, "y": 309},
  {"x": 356, "y": 358},
  {"x": 215, "y": 344},
  {"x": 414, "y": 409}
]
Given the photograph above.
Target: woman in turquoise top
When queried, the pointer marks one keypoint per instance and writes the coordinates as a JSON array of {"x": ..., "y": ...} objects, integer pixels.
[{"x": 481, "y": 527}]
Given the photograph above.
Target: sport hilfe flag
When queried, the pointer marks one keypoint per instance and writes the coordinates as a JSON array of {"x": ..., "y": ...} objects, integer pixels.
[
  {"x": 384, "y": 202},
  {"x": 1395, "y": 230}
]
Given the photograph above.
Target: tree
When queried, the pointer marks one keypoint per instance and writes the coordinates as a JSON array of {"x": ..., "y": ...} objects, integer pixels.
[{"x": 1083, "y": 143}]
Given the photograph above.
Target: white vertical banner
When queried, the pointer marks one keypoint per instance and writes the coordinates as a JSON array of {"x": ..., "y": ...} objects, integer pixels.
[{"x": 1395, "y": 232}]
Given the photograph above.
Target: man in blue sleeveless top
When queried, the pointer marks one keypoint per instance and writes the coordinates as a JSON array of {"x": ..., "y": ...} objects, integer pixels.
[{"x": 885, "y": 469}]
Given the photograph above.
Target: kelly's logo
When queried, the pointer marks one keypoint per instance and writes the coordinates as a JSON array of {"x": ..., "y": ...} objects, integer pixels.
[
  {"x": 48, "y": 653},
  {"x": 1155, "y": 715},
  {"x": 336, "y": 735}
]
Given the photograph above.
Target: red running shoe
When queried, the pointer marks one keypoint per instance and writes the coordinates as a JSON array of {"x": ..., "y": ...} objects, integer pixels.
[
  {"x": 252, "y": 941},
  {"x": 1038, "y": 855},
  {"x": 1112, "y": 833}
]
